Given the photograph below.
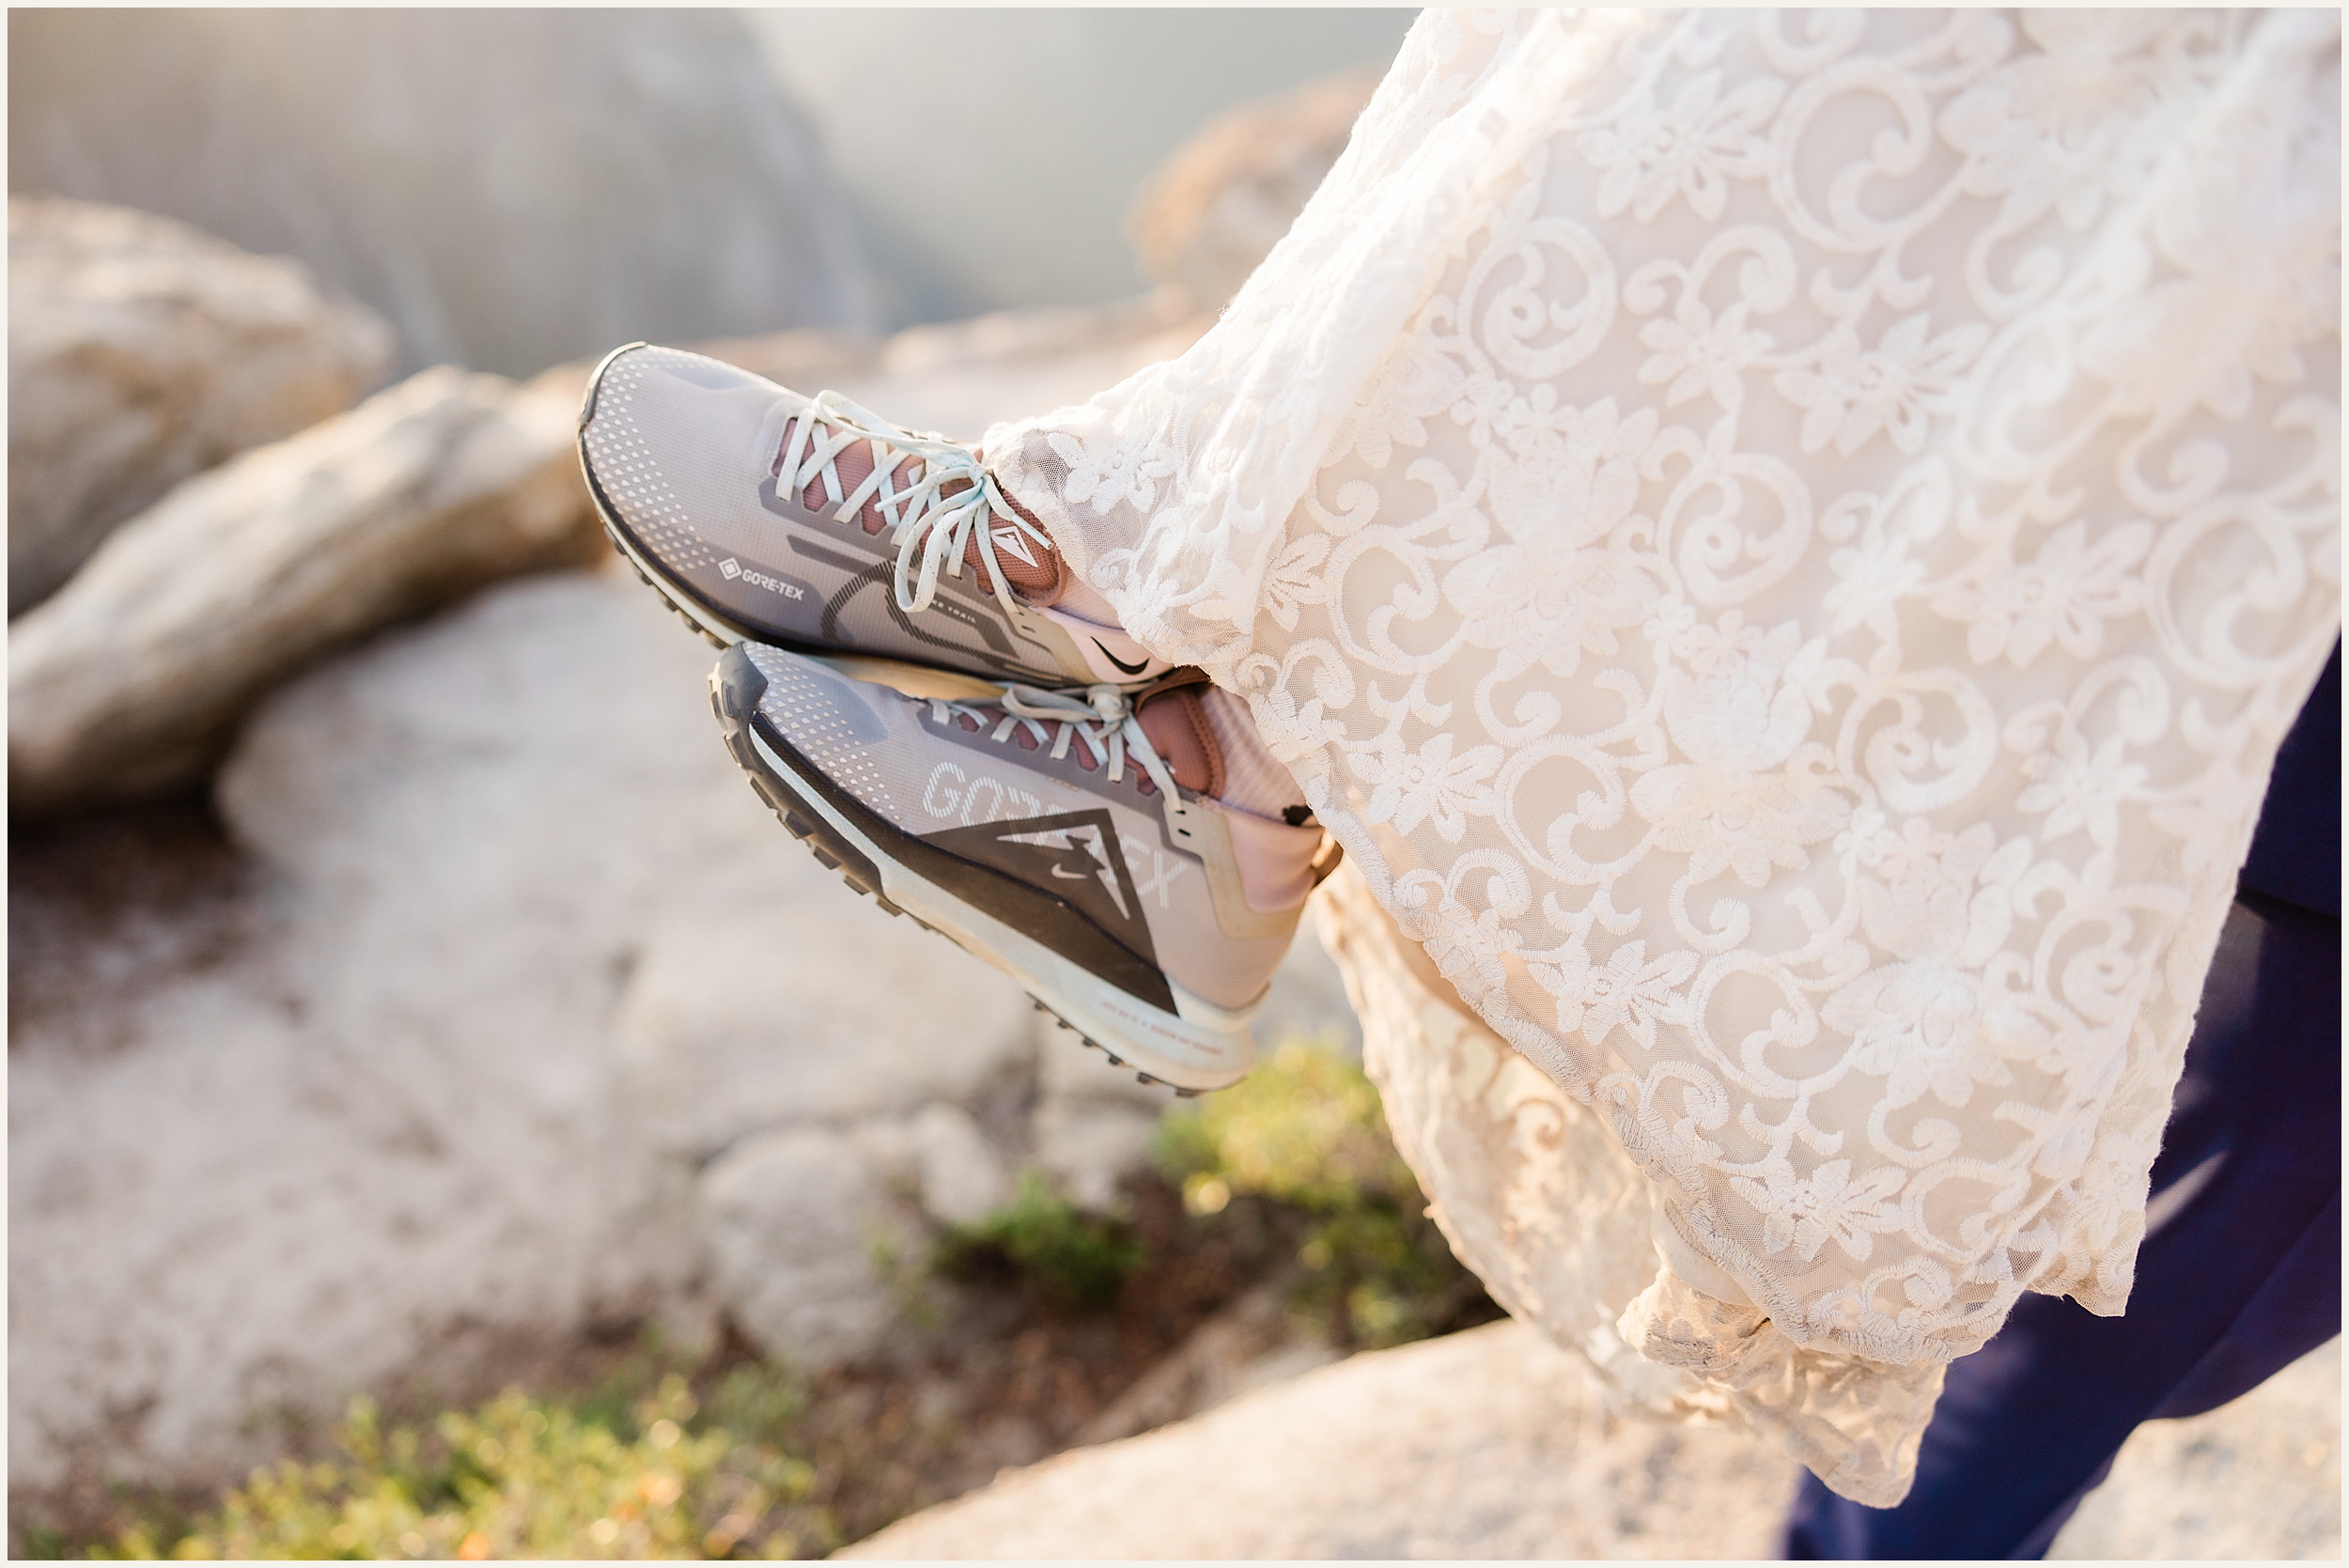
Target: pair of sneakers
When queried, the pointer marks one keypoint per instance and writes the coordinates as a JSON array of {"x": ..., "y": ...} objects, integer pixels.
[{"x": 906, "y": 686}]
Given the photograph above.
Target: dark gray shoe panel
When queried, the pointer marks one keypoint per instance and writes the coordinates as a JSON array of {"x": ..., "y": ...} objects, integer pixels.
[
  {"x": 926, "y": 776},
  {"x": 999, "y": 889},
  {"x": 1077, "y": 857},
  {"x": 680, "y": 454}
]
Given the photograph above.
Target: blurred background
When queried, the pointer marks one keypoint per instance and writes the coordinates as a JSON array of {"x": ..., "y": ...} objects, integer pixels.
[
  {"x": 427, "y": 1059},
  {"x": 514, "y": 187}
]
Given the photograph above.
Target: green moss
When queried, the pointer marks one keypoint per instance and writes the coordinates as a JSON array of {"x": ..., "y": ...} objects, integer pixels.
[
  {"x": 1296, "y": 1159},
  {"x": 1305, "y": 1130},
  {"x": 522, "y": 1477},
  {"x": 1080, "y": 1258}
]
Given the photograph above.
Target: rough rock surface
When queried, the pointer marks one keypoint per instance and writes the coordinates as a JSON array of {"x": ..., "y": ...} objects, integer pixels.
[
  {"x": 131, "y": 680},
  {"x": 2260, "y": 1478},
  {"x": 462, "y": 1052},
  {"x": 1093, "y": 1123},
  {"x": 141, "y": 352},
  {"x": 958, "y": 1176},
  {"x": 510, "y": 187},
  {"x": 403, "y": 1111},
  {"x": 1217, "y": 207},
  {"x": 795, "y": 1222},
  {"x": 1493, "y": 1443},
  {"x": 1251, "y": 1343},
  {"x": 1489, "y": 1443},
  {"x": 704, "y": 1063}
]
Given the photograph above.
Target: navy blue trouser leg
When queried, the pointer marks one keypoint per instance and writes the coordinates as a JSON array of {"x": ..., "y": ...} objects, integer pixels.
[{"x": 2241, "y": 1280}]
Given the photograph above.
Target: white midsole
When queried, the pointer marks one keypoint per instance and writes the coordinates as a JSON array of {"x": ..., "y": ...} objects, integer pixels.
[{"x": 1205, "y": 1047}]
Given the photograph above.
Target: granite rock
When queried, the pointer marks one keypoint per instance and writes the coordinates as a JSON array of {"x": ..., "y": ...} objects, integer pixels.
[
  {"x": 1493, "y": 1443},
  {"x": 142, "y": 352},
  {"x": 959, "y": 1172},
  {"x": 132, "y": 680},
  {"x": 804, "y": 1236},
  {"x": 523, "y": 959},
  {"x": 1490, "y": 1443},
  {"x": 753, "y": 1004},
  {"x": 405, "y": 1114},
  {"x": 2258, "y": 1478}
]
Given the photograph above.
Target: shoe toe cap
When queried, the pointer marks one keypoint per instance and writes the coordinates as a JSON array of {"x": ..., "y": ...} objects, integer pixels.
[
  {"x": 672, "y": 444},
  {"x": 823, "y": 712}
]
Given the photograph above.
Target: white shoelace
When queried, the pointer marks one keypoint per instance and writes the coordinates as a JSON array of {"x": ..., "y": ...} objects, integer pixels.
[
  {"x": 923, "y": 520},
  {"x": 1102, "y": 719}
]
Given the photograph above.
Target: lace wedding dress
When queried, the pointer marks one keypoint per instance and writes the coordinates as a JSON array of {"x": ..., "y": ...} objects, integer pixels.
[{"x": 1784, "y": 548}]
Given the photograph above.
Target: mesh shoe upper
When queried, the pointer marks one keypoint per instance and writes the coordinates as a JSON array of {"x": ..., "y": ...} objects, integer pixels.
[
  {"x": 686, "y": 459},
  {"x": 1041, "y": 805}
]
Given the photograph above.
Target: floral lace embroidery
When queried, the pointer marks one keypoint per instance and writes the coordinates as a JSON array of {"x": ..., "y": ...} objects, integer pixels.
[
  {"x": 1530, "y": 1188},
  {"x": 1785, "y": 548}
]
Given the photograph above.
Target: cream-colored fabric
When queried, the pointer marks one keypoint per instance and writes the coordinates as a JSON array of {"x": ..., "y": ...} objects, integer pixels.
[
  {"x": 1533, "y": 1194},
  {"x": 1784, "y": 546}
]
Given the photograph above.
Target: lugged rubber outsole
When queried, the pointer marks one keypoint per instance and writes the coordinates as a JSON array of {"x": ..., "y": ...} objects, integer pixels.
[{"x": 834, "y": 852}]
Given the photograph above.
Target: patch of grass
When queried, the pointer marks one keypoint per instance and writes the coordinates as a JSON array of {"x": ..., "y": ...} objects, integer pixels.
[
  {"x": 1080, "y": 1259},
  {"x": 41, "y": 1545},
  {"x": 1304, "y": 1130},
  {"x": 648, "y": 1451},
  {"x": 599, "y": 1477}
]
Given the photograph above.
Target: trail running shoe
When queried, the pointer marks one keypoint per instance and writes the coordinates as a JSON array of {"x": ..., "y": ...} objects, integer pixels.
[
  {"x": 813, "y": 524},
  {"x": 1069, "y": 840}
]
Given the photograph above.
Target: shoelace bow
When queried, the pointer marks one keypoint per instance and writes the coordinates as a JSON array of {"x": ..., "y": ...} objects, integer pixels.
[
  {"x": 925, "y": 518},
  {"x": 1102, "y": 719}
]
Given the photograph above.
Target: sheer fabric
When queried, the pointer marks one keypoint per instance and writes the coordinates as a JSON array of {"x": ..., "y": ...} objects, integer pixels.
[
  {"x": 1535, "y": 1194},
  {"x": 1784, "y": 548}
]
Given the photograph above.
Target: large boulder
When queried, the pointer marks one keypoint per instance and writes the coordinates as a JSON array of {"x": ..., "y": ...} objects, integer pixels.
[
  {"x": 1493, "y": 1443},
  {"x": 511, "y": 188},
  {"x": 410, "y": 1111},
  {"x": 1486, "y": 1444},
  {"x": 141, "y": 352},
  {"x": 1257, "y": 1340},
  {"x": 132, "y": 680},
  {"x": 795, "y": 1221},
  {"x": 497, "y": 1036},
  {"x": 696, "y": 1031}
]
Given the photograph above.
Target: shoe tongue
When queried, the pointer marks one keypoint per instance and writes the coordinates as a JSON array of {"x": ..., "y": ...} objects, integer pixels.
[
  {"x": 1030, "y": 563},
  {"x": 854, "y": 465},
  {"x": 1176, "y": 723}
]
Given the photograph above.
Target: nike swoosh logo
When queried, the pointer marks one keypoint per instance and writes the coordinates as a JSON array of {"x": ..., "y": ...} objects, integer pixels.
[
  {"x": 1068, "y": 875},
  {"x": 1129, "y": 669}
]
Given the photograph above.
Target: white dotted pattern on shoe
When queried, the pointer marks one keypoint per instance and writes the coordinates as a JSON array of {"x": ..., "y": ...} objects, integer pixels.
[
  {"x": 806, "y": 711},
  {"x": 625, "y": 469}
]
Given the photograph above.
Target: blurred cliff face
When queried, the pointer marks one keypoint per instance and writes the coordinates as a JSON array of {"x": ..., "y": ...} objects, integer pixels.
[
  {"x": 510, "y": 188},
  {"x": 992, "y": 155},
  {"x": 514, "y": 187}
]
